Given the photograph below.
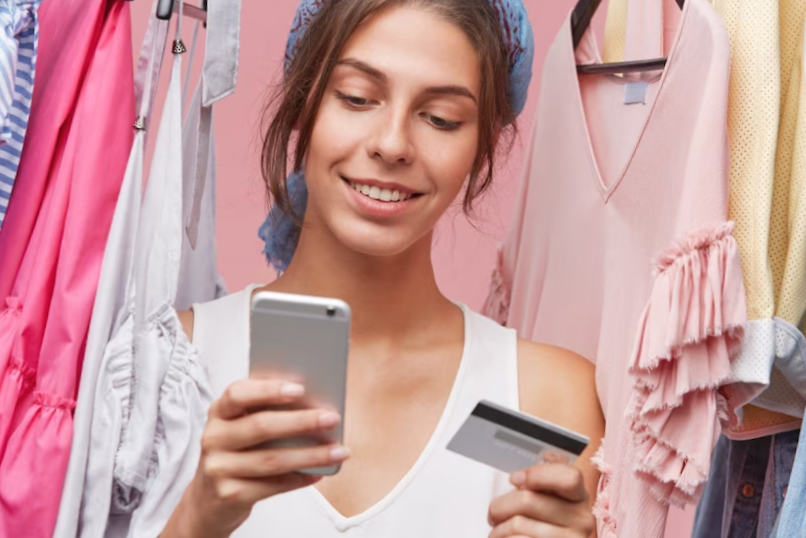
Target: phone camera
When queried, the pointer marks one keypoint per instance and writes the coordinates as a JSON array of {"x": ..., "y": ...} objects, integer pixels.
[{"x": 331, "y": 311}]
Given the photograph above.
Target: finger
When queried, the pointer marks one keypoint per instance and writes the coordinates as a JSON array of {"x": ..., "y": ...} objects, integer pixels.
[
  {"x": 555, "y": 457},
  {"x": 522, "y": 526},
  {"x": 537, "y": 506},
  {"x": 245, "y": 492},
  {"x": 272, "y": 462},
  {"x": 563, "y": 480},
  {"x": 255, "y": 428},
  {"x": 250, "y": 393}
]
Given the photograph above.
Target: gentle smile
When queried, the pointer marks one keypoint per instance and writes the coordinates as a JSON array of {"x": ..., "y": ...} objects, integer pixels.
[{"x": 379, "y": 193}]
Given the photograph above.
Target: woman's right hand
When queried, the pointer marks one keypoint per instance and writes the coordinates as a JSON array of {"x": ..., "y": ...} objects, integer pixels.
[{"x": 233, "y": 475}]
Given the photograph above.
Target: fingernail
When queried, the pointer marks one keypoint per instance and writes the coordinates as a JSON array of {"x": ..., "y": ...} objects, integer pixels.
[
  {"x": 339, "y": 453},
  {"x": 292, "y": 389},
  {"x": 328, "y": 419},
  {"x": 518, "y": 478}
]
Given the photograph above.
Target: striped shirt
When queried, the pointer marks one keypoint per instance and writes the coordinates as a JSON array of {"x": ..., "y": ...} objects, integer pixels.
[{"x": 19, "y": 38}]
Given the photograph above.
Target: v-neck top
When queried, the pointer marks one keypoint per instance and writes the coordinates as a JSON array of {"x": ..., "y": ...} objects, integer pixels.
[
  {"x": 632, "y": 264},
  {"x": 764, "y": 122},
  {"x": 443, "y": 494}
]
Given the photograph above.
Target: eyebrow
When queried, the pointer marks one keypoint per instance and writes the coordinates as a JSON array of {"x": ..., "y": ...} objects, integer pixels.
[{"x": 379, "y": 76}]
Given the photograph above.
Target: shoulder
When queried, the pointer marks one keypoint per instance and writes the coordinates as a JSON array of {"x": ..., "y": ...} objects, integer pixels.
[
  {"x": 545, "y": 364},
  {"x": 559, "y": 386},
  {"x": 186, "y": 319}
]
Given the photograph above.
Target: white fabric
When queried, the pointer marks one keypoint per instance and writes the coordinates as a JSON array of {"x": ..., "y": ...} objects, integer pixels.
[
  {"x": 105, "y": 390},
  {"x": 750, "y": 370},
  {"x": 166, "y": 391},
  {"x": 109, "y": 313},
  {"x": 199, "y": 279},
  {"x": 152, "y": 386},
  {"x": 221, "y": 50},
  {"x": 787, "y": 391},
  {"x": 770, "y": 373},
  {"x": 443, "y": 495}
]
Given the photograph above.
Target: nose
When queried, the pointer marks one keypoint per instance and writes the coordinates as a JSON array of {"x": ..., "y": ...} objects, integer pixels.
[{"x": 391, "y": 140}]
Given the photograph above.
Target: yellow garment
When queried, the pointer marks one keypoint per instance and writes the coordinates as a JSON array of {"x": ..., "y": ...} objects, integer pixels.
[
  {"x": 788, "y": 237},
  {"x": 767, "y": 130}
]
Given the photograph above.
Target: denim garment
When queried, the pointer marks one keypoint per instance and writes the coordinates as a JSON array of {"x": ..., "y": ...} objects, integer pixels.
[
  {"x": 746, "y": 490},
  {"x": 792, "y": 522}
]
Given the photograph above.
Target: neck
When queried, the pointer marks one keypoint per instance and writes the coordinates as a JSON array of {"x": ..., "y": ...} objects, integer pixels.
[{"x": 389, "y": 296}]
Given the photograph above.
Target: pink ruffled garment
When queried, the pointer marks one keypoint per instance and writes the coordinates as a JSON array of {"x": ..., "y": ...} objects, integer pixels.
[
  {"x": 620, "y": 251},
  {"x": 74, "y": 165},
  {"x": 62, "y": 64}
]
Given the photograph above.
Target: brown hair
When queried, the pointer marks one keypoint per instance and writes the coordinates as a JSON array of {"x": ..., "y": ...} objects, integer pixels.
[{"x": 305, "y": 81}]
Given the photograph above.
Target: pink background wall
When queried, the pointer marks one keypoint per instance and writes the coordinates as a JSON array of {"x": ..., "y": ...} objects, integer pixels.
[{"x": 463, "y": 254}]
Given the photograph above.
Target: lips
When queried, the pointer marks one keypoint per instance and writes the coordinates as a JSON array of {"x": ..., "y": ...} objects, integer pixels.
[
  {"x": 380, "y": 200},
  {"x": 376, "y": 193},
  {"x": 389, "y": 193}
]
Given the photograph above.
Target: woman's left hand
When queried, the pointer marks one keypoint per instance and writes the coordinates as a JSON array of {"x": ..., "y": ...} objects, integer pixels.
[{"x": 550, "y": 502}]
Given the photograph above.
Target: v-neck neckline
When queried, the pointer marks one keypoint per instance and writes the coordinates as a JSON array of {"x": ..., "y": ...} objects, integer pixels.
[
  {"x": 343, "y": 523},
  {"x": 605, "y": 189}
]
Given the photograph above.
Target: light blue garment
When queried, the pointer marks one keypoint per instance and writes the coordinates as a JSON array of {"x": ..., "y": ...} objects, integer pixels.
[
  {"x": 19, "y": 39},
  {"x": 747, "y": 487},
  {"x": 792, "y": 521},
  {"x": 279, "y": 231}
]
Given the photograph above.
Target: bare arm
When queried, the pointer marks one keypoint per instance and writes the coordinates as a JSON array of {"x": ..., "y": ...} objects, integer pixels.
[
  {"x": 553, "y": 498},
  {"x": 560, "y": 386},
  {"x": 186, "y": 319}
]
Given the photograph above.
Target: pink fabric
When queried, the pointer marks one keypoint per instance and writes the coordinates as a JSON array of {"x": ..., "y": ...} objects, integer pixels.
[
  {"x": 55, "y": 233},
  {"x": 608, "y": 188},
  {"x": 68, "y": 33}
]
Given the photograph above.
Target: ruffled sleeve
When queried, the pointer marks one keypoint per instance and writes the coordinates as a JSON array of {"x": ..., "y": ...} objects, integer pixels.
[
  {"x": 496, "y": 307},
  {"x": 184, "y": 399},
  {"x": 688, "y": 335},
  {"x": 114, "y": 492}
]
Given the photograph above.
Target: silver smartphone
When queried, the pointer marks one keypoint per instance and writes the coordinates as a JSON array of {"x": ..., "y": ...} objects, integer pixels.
[{"x": 304, "y": 339}]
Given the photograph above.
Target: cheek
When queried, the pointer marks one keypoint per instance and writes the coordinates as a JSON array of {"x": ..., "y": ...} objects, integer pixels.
[
  {"x": 333, "y": 139},
  {"x": 449, "y": 159}
]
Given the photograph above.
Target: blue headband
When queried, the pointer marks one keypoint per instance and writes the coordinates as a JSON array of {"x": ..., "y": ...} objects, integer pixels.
[{"x": 279, "y": 231}]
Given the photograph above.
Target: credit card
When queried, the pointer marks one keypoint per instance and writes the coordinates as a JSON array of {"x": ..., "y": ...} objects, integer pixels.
[{"x": 510, "y": 440}]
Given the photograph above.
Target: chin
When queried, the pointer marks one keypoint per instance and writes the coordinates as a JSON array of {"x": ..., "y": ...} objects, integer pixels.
[
  {"x": 375, "y": 240},
  {"x": 376, "y": 246}
]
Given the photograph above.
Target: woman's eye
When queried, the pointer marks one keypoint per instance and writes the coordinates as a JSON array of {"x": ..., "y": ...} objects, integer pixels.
[
  {"x": 353, "y": 100},
  {"x": 442, "y": 124}
]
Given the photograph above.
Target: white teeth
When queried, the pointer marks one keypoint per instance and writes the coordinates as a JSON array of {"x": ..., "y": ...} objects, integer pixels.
[{"x": 376, "y": 193}]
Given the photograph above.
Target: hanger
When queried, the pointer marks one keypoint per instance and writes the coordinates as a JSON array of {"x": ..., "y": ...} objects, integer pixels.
[
  {"x": 581, "y": 20},
  {"x": 165, "y": 8}
]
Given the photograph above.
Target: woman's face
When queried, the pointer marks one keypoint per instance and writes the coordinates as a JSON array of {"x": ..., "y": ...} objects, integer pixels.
[{"x": 396, "y": 133}]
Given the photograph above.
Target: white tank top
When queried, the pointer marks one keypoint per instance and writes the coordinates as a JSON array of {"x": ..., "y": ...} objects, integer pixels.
[{"x": 442, "y": 495}]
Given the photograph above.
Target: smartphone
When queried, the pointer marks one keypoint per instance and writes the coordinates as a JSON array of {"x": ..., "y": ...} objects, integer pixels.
[{"x": 305, "y": 339}]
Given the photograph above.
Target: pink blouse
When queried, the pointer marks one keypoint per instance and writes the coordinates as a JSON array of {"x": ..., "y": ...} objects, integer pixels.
[
  {"x": 51, "y": 247},
  {"x": 620, "y": 251}
]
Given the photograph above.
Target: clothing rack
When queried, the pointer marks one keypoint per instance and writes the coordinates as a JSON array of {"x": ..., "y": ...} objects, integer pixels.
[{"x": 165, "y": 8}]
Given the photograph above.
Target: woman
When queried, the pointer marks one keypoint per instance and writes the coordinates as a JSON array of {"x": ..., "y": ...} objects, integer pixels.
[{"x": 395, "y": 107}]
